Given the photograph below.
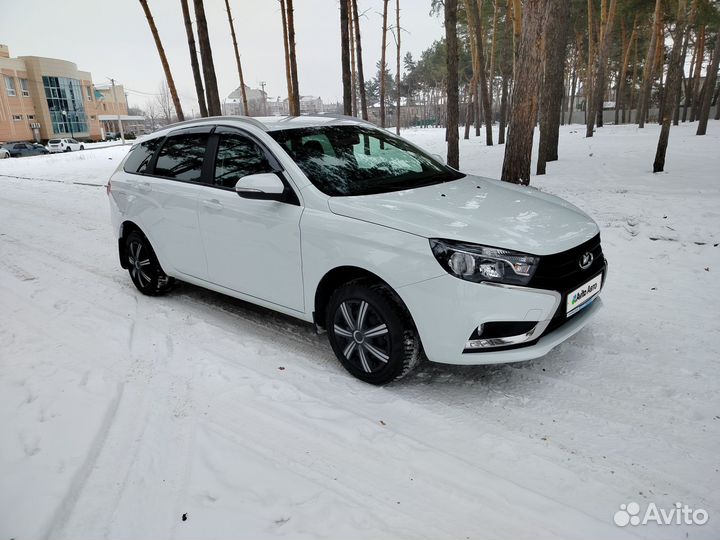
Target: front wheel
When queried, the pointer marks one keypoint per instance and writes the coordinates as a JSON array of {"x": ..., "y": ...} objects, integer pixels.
[
  {"x": 82, "y": 147},
  {"x": 371, "y": 333},
  {"x": 144, "y": 267}
]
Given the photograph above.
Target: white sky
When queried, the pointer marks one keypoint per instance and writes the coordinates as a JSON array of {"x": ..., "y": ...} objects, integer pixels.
[{"x": 112, "y": 39}]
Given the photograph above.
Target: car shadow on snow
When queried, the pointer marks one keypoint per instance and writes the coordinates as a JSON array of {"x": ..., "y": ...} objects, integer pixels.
[{"x": 290, "y": 333}]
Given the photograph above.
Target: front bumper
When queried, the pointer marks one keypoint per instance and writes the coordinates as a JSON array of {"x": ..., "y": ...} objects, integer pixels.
[{"x": 446, "y": 311}]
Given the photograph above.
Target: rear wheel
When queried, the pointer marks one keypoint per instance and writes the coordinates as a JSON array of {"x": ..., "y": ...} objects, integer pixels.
[
  {"x": 82, "y": 147},
  {"x": 371, "y": 333},
  {"x": 67, "y": 149},
  {"x": 144, "y": 267}
]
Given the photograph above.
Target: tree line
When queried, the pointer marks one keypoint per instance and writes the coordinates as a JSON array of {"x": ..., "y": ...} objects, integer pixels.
[
  {"x": 514, "y": 63},
  {"x": 626, "y": 55}
]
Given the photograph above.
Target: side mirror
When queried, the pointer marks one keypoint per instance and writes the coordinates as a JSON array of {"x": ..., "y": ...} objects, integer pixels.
[{"x": 263, "y": 186}]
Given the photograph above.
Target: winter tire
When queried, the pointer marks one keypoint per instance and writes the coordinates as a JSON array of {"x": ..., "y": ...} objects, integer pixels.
[
  {"x": 144, "y": 267},
  {"x": 371, "y": 333}
]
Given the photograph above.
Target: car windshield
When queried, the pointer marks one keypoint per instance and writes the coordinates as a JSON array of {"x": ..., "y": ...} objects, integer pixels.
[{"x": 358, "y": 160}]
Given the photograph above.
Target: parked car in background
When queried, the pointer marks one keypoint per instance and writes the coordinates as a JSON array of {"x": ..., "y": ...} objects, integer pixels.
[
  {"x": 341, "y": 224},
  {"x": 4, "y": 154},
  {"x": 64, "y": 145},
  {"x": 23, "y": 149}
]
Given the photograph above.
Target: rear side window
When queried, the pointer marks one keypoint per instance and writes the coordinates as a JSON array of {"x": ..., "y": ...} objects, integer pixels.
[
  {"x": 182, "y": 156},
  {"x": 140, "y": 156}
]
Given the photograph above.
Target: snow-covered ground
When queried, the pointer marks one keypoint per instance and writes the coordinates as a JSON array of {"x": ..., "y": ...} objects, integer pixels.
[{"x": 196, "y": 415}]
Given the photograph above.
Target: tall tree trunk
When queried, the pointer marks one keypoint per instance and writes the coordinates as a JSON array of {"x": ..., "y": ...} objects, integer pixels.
[
  {"x": 474, "y": 86},
  {"x": 601, "y": 67},
  {"x": 688, "y": 87},
  {"x": 578, "y": 49},
  {"x": 678, "y": 95},
  {"x": 397, "y": 77},
  {"x": 518, "y": 151},
  {"x": 671, "y": 86},
  {"x": 468, "y": 111},
  {"x": 163, "y": 61},
  {"x": 493, "y": 51},
  {"x": 684, "y": 81},
  {"x": 554, "y": 45},
  {"x": 648, "y": 75},
  {"x": 588, "y": 90},
  {"x": 243, "y": 94},
  {"x": 660, "y": 70},
  {"x": 361, "y": 75},
  {"x": 293, "y": 58},
  {"x": 517, "y": 32},
  {"x": 633, "y": 84},
  {"x": 286, "y": 47},
  {"x": 383, "y": 63},
  {"x": 345, "y": 58},
  {"x": 208, "y": 66},
  {"x": 453, "y": 110},
  {"x": 563, "y": 99},
  {"x": 621, "y": 72},
  {"x": 353, "y": 67},
  {"x": 699, "y": 57},
  {"x": 606, "y": 26},
  {"x": 194, "y": 59},
  {"x": 710, "y": 82},
  {"x": 573, "y": 88},
  {"x": 620, "y": 100},
  {"x": 475, "y": 27},
  {"x": 503, "y": 108}
]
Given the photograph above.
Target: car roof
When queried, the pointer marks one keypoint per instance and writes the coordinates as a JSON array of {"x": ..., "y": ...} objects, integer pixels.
[{"x": 269, "y": 123}]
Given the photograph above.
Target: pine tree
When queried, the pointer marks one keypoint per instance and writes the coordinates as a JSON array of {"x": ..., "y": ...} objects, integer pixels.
[
  {"x": 453, "y": 110},
  {"x": 208, "y": 66},
  {"x": 197, "y": 76},
  {"x": 516, "y": 166},
  {"x": 163, "y": 60},
  {"x": 243, "y": 93},
  {"x": 553, "y": 87},
  {"x": 383, "y": 63},
  {"x": 675, "y": 67},
  {"x": 345, "y": 58}
]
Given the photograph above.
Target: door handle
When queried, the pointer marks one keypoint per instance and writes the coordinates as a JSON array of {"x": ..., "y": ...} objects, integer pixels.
[{"x": 212, "y": 204}]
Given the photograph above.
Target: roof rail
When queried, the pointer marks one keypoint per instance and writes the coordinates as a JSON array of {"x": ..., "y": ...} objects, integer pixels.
[
  {"x": 246, "y": 119},
  {"x": 346, "y": 117}
]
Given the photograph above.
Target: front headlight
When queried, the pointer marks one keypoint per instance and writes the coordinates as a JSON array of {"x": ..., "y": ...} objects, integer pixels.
[{"x": 473, "y": 262}]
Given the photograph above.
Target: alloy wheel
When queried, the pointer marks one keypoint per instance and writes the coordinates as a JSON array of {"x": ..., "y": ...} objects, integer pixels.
[
  {"x": 139, "y": 260},
  {"x": 364, "y": 333}
]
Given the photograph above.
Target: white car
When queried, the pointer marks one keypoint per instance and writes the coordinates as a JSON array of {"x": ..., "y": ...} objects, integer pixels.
[
  {"x": 64, "y": 145},
  {"x": 343, "y": 225},
  {"x": 4, "y": 153}
]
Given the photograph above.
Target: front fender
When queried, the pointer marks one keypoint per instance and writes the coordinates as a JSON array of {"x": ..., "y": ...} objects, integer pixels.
[{"x": 330, "y": 241}]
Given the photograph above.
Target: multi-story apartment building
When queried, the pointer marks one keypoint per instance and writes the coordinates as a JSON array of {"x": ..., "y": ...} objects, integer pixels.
[{"x": 45, "y": 98}]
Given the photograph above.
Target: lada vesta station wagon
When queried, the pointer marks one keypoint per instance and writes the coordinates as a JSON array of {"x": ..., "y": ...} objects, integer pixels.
[{"x": 333, "y": 221}]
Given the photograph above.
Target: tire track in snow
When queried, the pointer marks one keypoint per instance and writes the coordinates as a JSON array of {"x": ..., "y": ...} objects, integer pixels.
[{"x": 67, "y": 505}]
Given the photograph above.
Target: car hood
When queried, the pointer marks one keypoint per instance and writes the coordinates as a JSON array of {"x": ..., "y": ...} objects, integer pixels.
[{"x": 478, "y": 210}]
